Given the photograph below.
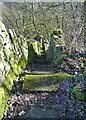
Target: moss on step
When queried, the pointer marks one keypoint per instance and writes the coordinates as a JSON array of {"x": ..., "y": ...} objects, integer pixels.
[{"x": 46, "y": 82}]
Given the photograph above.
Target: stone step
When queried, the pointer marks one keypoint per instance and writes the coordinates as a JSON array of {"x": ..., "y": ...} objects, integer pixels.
[{"x": 41, "y": 61}]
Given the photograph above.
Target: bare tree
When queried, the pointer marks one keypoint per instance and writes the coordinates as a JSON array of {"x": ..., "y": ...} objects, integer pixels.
[{"x": 30, "y": 19}]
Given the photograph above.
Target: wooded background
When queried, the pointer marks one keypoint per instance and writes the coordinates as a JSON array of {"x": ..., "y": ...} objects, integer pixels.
[{"x": 29, "y": 19}]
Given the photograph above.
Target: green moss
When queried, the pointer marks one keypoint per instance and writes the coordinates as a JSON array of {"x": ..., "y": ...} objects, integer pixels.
[
  {"x": 14, "y": 39},
  {"x": 22, "y": 63},
  {"x": 39, "y": 48},
  {"x": 58, "y": 59},
  {"x": 34, "y": 50},
  {"x": 43, "y": 82},
  {"x": 12, "y": 74},
  {"x": 7, "y": 85},
  {"x": 15, "y": 70},
  {"x": 16, "y": 66},
  {"x": 3, "y": 101},
  {"x": 31, "y": 54},
  {"x": 35, "y": 47},
  {"x": 57, "y": 32},
  {"x": 11, "y": 54},
  {"x": 78, "y": 94},
  {"x": 19, "y": 68},
  {"x": 8, "y": 82}
]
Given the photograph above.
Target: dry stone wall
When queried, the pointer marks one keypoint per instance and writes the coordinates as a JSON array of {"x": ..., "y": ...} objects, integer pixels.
[{"x": 13, "y": 58}]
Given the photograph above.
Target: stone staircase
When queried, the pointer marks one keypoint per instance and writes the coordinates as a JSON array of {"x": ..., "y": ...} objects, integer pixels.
[{"x": 42, "y": 59}]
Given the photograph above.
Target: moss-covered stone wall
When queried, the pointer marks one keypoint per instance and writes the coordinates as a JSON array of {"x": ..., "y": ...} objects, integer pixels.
[
  {"x": 13, "y": 58},
  {"x": 34, "y": 50}
]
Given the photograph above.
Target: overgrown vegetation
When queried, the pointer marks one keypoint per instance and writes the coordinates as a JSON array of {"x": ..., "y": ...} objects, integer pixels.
[
  {"x": 77, "y": 93},
  {"x": 79, "y": 90}
]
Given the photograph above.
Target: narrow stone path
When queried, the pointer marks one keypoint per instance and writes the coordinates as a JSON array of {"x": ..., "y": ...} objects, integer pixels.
[{"x": 25, "y": 105}]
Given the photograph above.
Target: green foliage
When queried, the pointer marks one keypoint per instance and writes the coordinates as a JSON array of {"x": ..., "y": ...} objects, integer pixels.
[
  {"x": 37, "y": 47},
  {"x": 81, "y": 61},
  {"x": 8, "y": 84},
  {"x": 77, "y": 90},
  {"x": 57, "y": 32},
  {"x": 79, "y": 77},
  {"x": 19, "y": 67},
  {"x": 78, "y": 94},
  {"x": 59, "y": 58},
  {"x": 53, "y": 53},
  {"x": 12, "y": 74}
]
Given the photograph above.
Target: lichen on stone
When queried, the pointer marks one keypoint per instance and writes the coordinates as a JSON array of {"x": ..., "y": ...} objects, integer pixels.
[{"x": 10, "y": 65}]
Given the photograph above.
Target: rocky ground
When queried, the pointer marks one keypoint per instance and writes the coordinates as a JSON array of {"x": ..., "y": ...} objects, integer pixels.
[
  {"x": 60, "y": 104},
  {"x": 19, "y": 104},
  {"x": 73, "y": 64},
  {"x": 67, "y": 104}
]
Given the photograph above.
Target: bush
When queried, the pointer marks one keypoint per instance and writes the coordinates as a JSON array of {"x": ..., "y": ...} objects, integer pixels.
[{"x": 76, "y": 91}]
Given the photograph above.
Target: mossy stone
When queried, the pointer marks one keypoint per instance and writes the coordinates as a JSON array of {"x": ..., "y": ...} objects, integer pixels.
[
  {"x": 11, "y": 54},
  {"x": 3, "y": 101},
  {"x": 22, "y": 63},
  {"x": 31, "y": 54},
  {"x": 43, "y": 82}
]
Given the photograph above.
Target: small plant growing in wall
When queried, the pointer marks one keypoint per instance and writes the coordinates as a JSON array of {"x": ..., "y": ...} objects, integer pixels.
[{"x": 78, "y": 94}]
